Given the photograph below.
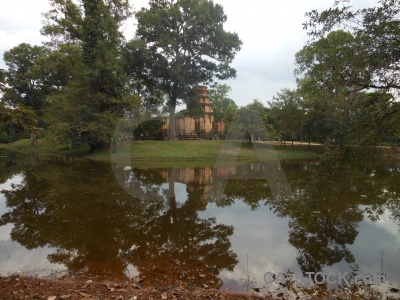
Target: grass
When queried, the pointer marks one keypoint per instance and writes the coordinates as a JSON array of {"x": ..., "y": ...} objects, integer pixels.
[
  {"x": 199, "y": 153},
  {"x": 182, "y": 152},
  {"x": 24, "y": 146}
]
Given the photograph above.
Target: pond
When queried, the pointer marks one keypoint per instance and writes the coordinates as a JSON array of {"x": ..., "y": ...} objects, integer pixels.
[{"x": 225, "y": 225}]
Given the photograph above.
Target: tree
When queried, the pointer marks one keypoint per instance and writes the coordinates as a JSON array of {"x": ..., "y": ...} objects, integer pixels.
[
  {"x": 187, "y": 46},
  {"x": 224, "y": 107},
  {"x": 2, "y": 79},
  {"x": 287, "y": 114},
  {"x": 336, "y": 105},
  {"x": 251, "y": 122},
  {"x": 362, "y": 56},
  {"x": 16, "y": 121},
  {"x": 104, "y": 98},
  {"x": 23, "y": 77},
  {"x": 372, "y": 47}
]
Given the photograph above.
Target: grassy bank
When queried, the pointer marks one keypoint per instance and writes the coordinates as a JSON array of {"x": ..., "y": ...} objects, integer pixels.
[
  {"x": 24, "y": 146},
  {"x": 152, "y": 152},
  {"x": 202, "y": 150}
]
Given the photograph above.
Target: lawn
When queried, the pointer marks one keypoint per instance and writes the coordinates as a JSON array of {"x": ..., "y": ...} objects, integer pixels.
[{"x": 152, "y": 152}]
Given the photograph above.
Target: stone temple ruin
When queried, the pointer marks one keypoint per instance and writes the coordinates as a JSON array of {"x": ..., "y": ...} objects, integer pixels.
[{"x": 201, "y": 126}]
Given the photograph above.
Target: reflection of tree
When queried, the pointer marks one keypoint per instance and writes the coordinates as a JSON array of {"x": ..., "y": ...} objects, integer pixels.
[
  {"x": 99, "y": 229},
  {"x": 325, "y": 210},
  {"x": 186, "y": 247},
  {"x": 10, "y": 165}
]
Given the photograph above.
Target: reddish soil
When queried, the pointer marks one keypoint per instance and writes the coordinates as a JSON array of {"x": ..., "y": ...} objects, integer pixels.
[
  {"x": 19, "y": 287},
  {"x": 59, "y": 289}
]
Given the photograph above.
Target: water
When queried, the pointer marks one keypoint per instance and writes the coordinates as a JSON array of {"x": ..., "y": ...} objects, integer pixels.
[{"x": 224, "y": 226}]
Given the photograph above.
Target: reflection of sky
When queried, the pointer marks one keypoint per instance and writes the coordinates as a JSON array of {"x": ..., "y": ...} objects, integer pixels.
[
  {"x": 5, "y": 230},
  {"x": 13, "y": 257},
  {"x": 264, "y": 238},
  {"x": 258, "y": 234}
]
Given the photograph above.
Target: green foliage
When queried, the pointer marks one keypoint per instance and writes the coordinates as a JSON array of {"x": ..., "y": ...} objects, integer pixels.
[
  {"x": 100, "y": 46},
  {"x": 16, "y": 121},
  {"x": 336, "y": 62},
  {"x": 224, "y": 107},
  {"x": 150, "y": 128},
  {"x": 354, "y": 70},
  {"x": 343, "y": 102},
  {"x": 96, "y": 94},
  {"x": 23, "y": 77},
  {"x": 251, "y": 122},
  {"x": 373, "y": 50},
  {"x": 2, "y": 79},
  {"x": 287, "y": 115},
  {"x": 186, "y": 46}
]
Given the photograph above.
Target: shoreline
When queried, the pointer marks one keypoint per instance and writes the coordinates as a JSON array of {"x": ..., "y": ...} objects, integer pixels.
[
  {"x": 74, "y": 288},
  {"x": 179, "y": 151}
]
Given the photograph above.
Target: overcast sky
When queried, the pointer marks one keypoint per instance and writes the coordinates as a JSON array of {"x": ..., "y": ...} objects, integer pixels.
[{"x": 271, "y": 32}]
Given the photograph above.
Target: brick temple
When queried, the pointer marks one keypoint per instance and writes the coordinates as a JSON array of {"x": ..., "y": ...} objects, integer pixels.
[{"x": 203, "y": 126}]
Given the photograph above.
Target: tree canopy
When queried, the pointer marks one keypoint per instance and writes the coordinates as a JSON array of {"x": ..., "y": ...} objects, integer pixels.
[
  {"x": 350, "y": 67},
  {"x": 186, "y": 46},
  {"x": 371, "y": 43},
  {"x": 96, "y": 95}
]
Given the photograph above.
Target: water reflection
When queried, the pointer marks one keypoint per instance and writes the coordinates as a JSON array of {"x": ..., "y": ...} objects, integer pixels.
[{"x": 97, "y": 229}]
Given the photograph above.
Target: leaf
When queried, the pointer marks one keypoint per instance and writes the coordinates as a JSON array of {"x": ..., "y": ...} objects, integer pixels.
[
  {"x": 84, "y": 294},
  {"x": 52, "y": 298},
  {"x": 164, "y": 295}
]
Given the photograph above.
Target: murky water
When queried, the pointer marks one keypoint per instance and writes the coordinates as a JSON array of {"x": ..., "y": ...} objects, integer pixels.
[{"x": 223, "y": 226}]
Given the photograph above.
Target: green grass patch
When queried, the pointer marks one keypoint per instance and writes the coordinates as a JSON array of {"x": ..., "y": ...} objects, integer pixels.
[
  {"x": 24, "y": 146},
  {"x": 198, "y": 153}
]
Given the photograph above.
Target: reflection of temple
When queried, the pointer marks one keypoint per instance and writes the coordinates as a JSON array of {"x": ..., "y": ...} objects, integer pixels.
[
  {"x": 200, "y": 180},
  {"x": 203, "y": 126}
]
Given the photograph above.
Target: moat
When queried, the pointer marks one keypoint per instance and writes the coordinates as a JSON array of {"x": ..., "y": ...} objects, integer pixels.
[{"x": 223, "y": 226}]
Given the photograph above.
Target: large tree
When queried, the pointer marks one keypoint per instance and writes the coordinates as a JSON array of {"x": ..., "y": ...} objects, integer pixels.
[
  {"x": 370, "y": 54},
  {"x": 94, "y": 27},
  {"x": 187, "y": 46},
  {"x": 287, "y": 114},
  {"x": 330, "y": 72},
  {"x": 353, "y": 51},
  {"x": 23, "y": 77}
]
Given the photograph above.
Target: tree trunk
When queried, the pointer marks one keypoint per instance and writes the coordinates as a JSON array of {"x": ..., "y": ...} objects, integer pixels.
[
  {"x": 171, "y": 126},
  {"x": 113, "y": 145},
  {"x": 171, "y": 194},
  {"x": 34, "y": 142}
]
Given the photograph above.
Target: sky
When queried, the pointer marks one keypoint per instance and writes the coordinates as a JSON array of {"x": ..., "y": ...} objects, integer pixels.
[{"x": 271, "y": 32}]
